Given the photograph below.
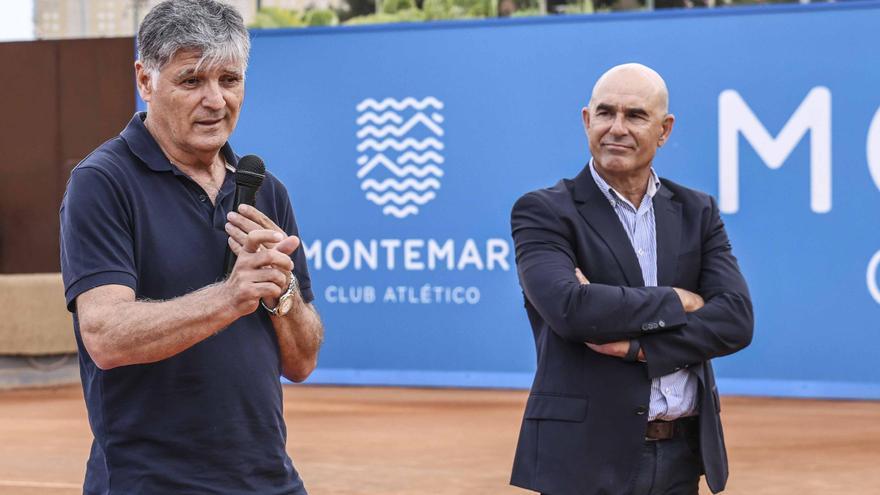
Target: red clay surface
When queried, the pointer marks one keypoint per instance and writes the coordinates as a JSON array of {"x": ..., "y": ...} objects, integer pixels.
[{"x": 386, "y": 441}]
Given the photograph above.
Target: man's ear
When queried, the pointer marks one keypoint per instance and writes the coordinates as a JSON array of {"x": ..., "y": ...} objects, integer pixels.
[
  {"x": 144, "y": 81},
  {"x": 668, "y": 123},
  {"x": 585, "y": 116}
]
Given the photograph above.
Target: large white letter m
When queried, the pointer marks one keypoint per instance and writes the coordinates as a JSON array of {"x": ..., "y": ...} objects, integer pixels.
[{"x": 813, "y": 114}]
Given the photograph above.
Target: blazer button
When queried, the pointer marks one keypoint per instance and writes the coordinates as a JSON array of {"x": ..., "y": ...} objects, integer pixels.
[{"x": 641, "y": 410}]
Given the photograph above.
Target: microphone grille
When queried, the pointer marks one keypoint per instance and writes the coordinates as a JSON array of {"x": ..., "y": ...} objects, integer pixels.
[{"x": 250, "y": 171}]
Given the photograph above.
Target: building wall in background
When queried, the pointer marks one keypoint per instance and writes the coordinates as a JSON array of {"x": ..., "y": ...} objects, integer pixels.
[
  {"x": 58, "y": 19},
  {"x": 61, "y": 100},
  {"x": 106, "y": 18}
]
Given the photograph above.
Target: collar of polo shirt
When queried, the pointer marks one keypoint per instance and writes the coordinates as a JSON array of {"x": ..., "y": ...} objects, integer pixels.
[{"x": 145, "y": 147}]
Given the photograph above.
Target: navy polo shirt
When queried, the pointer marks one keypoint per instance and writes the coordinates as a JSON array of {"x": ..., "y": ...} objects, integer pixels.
[{"x": 208, "y": 420}]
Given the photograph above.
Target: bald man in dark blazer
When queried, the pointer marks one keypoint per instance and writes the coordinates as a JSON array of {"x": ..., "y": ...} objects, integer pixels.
[{"x": 631, "y": 289}]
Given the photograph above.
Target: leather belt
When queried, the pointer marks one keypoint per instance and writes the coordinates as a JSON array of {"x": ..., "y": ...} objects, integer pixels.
[{"x": 664, "y": 430}]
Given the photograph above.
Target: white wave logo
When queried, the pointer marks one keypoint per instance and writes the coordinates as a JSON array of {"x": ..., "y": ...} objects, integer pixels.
[{"x": 400, "y": 152}]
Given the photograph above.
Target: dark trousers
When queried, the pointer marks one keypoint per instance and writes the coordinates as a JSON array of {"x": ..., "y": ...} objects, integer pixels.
[{"x": 669, "y": 467}]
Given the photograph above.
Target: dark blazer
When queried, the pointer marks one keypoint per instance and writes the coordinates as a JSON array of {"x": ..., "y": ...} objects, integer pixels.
[{"x": 585, "y": 419}]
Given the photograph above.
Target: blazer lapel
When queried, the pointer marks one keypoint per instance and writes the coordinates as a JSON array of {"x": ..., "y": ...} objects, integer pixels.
[
  {"x": 599, "y": 214},
  {"x": 667, "y": 215}
]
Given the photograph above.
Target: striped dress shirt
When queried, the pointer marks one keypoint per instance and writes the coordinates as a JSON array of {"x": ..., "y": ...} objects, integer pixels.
[{"x": 673, "y": 395}]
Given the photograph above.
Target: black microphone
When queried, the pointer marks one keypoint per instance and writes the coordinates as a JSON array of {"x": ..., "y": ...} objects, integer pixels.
[{"x": 249, "y": 177}]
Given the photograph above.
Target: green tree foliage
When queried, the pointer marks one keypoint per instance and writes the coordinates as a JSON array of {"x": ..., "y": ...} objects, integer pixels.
[
  {"x": 437, "y": 9},
  {"x": 478, "y": 8},
  {"x": 408, "y": 15},
  {"x": 274, "y": 17},
  {"x": 408, "y": 11},
  {"x": 395, "y": 6},
  {"x": 321, "y": 17},
  {"x": 390, "y": 11},
  {"x": 533, "y": 12},
  {"x": 578, "y": 7}
]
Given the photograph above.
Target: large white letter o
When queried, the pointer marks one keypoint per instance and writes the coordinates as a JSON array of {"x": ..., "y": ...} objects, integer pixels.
[
  {"x": 873, "y": 147},
  {"x": 872, "y": 277}
]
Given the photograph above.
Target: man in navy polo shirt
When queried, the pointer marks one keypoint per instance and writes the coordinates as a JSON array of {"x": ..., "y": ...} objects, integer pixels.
[{"x": 180, "y": 367}]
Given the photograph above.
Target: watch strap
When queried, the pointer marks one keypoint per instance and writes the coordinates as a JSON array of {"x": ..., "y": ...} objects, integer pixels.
[
  {"x": 292, "y": 286},
  {"x": 632, "y": 354}
]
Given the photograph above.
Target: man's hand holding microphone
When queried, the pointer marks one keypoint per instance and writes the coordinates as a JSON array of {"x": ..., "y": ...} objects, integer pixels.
[{"x": 263, "y": 266}]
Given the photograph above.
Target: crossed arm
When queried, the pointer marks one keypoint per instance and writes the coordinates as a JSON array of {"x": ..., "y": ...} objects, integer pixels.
[
  {"x": 696, "y": 327},
  {"x": 118, "y": 330},
  {"x": 689, "y": 301}
]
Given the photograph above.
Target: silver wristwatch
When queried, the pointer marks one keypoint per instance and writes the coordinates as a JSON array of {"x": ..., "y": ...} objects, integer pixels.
[{"x": 285, "y": 302}]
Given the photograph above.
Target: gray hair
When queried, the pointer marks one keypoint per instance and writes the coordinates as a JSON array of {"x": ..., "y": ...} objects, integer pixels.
[{"x": 212, "y": 28}]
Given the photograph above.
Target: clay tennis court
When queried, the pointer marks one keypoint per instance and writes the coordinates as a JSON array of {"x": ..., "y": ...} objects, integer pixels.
[{"x": 390, "y": 441}]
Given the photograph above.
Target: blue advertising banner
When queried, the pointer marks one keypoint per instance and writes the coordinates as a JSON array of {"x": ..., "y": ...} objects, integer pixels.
[{"x": 404, "y": 148}]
